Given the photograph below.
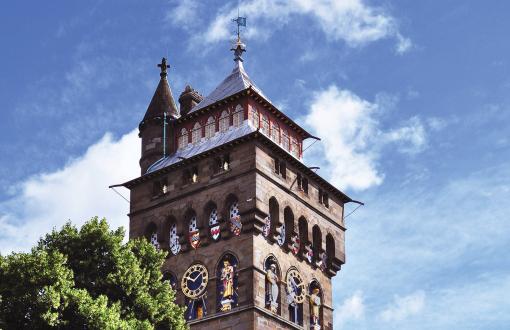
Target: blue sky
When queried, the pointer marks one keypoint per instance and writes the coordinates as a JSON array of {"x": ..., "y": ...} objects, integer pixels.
[{"x": 411, "y": 99}]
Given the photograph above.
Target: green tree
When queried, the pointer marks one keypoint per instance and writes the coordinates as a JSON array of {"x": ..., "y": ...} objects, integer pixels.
[{"x": 87, "y": 279}]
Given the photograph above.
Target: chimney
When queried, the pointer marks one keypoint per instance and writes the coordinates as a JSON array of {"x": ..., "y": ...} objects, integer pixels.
[{"x": 188, "y": 99}]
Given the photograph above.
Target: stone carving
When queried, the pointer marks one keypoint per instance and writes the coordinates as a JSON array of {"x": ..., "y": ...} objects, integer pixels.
[
  {"x": 272, "y": 287},
  {"x": 294, "y": 244},
  {"x": 266, "y": 230},
  {"x": 309, "y": 252},
  {"x": 281, "y": 237}
]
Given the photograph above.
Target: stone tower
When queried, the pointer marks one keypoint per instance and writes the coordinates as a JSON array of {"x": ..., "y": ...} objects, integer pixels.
[{"x": 253, "y": 235}]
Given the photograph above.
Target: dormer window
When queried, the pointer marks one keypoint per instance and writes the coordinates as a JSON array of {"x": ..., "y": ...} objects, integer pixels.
[
  {"x": 265, "y": 125},
  {"x": 255, "y": 117},
  {"x": 285, "y": 140},
  {"x": 238, "y": 115},
  {"x": 275, "y": 132},
  {"x": 224, "y": 121},
  {"x": 182, "y": 141},
  {"x": 294, "y": 148},
  {"x": 196, "y": 134},
  {"x": 210, "y": 127}
]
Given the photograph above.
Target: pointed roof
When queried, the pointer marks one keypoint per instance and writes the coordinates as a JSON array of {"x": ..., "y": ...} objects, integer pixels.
[
  {"x": 162, "y": 100},
  {"x": 237, "y": 81}
]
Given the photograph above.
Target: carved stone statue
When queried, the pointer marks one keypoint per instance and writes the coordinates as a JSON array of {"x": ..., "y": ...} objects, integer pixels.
[
  {"x": 315, "y": 305},
  {"x": 272, "y": 279}
]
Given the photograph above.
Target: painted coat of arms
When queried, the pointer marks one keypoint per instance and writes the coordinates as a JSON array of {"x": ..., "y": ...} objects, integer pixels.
[
  {"x": 235, "y": 225},
  {"x": 294, "y": 246},
  {"x": 323, "y": 261},
  {"x": 215, "y": 232},
  {"x": 214, "y": 225},
  {"x": 194, "y": 239},
  {"x": 281, "y": 237},
  {"x": 309, "y": 252}
]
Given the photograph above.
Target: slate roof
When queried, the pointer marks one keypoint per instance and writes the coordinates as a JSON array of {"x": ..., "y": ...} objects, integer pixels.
[
  {"x": 162, "y": 101},
  {"x": 220, "y": 138},
  {"x": 237, "y": 81}
]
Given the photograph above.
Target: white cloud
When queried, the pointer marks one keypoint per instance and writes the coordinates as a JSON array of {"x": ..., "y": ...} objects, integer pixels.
[
  {"x": 352, "y": 137},
  {"x": 351, "y": 309},
  {"x": 184, "y": 14},
  {"x": 77, "y": 192},
  {"x": 352, "y": 21},
  {"x": 448, "y": 234},
  {"x": 403, "y": 307}
]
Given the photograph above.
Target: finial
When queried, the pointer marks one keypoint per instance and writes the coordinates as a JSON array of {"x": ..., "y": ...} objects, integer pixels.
[
  {"x": 238, "y": 46},
  {"x": 163, "y": 66}
]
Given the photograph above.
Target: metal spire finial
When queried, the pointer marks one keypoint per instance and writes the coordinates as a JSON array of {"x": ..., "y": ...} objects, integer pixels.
[
  {"x": 238, "y": 46},
  {"x": 163, "y": 66}
]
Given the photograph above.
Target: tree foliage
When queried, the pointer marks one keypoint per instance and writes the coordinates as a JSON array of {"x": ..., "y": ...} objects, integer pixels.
[{"x": 87, "y": 279}]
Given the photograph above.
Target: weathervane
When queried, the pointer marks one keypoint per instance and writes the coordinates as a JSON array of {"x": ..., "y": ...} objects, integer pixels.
[
  {"x": 240, "y": 21},
  {"x": 239, "y": 47},
  {"x": 163, "y": 66}
]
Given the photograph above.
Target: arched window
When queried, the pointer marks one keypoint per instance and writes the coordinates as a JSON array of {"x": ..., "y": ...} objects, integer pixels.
[
  {"x": 317, "y": 242},
  {"x": 224, "y": 121},
  {"x": 285, "y": 140},
  {"x": 330, "y": 249},
  {"x": 265, "y": 125},
  {"x": 294, "y": 147},
  {"x": 274, "y": 214},
  {"x": 288, "y": 217},
  {"x": 193, "y": 231},
  {"x": 273, "y": 276},
  {"x": 196, "y": 134},
  {"x": 303, "y": 237},
  {"x": 151, "y": 233},
  {"x": 210, "y": 128},
  {"x": 226, "y": 287},
  {"x": 316, "y": 301},
  {"x": 183, "y": 138},
  {"x": 255, "y": 117},
  {"x": 275, "y": 132},
  {"x": 238, "y": 115}
]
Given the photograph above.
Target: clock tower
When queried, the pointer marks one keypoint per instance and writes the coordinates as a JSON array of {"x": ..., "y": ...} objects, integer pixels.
[{"x": 253, "y": 235}]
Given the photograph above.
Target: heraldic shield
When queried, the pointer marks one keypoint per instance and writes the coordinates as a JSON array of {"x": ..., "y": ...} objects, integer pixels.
[
  {"x": 194, "y": 239},
  {"x": 235, "y": 220},
  {"x": 215, "y": 232},
  {"x": 235, "y": 225}
]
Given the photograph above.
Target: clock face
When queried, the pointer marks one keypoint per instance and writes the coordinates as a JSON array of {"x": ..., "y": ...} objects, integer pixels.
[
  {"x": 295, "y": 286},
  {"x": 194, "y": 281}
]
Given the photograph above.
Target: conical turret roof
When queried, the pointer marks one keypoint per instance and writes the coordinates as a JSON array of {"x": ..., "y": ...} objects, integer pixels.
[{"x": 162, "y": 101}]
